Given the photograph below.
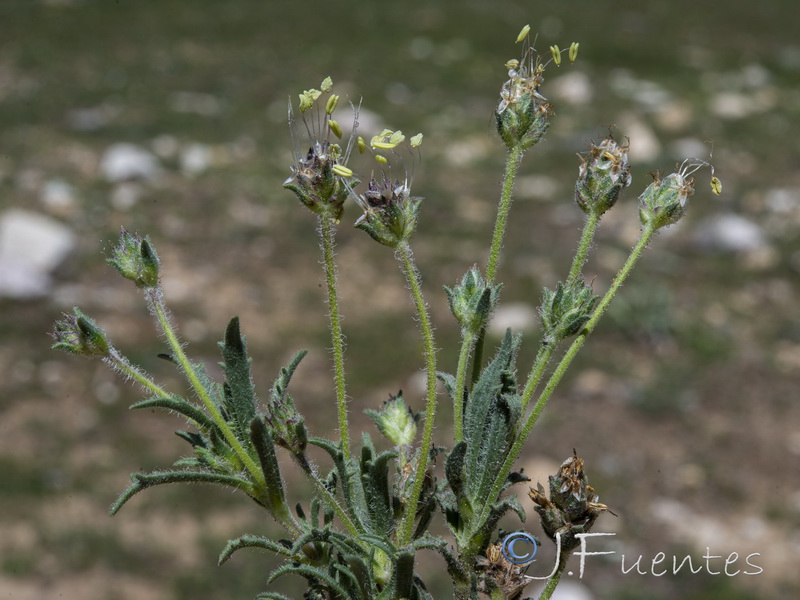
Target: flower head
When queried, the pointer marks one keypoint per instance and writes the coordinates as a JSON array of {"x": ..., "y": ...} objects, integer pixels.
[
  {"x": 573, "y": 506},
  {"x": 396, "y": 421},
  {"x": 78, "y": 334},
  {"x": 390, "y": 211},
  {"x": 320, "y": 177},
  {"x": 135, "y": 258},
  {"x": 523, "y": 112},
  {"x": 603, "y": 174},
  {"x": 663, "y": 202}
]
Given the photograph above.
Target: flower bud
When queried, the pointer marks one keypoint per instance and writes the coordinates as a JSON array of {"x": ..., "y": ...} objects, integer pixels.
[
  {"x": 390, "y": 212},
  {"x": 566, "y": 310},
  {"x": 603, "y": 174},
  {"x": 135, "y": 258},
  {"x": 573, "y": 506},
  {"x": 78, "y": 334},
  {"x": 396, "y": 421},
  {"x": 287, "y": 425},
  {"x": 473, "y": 300}
]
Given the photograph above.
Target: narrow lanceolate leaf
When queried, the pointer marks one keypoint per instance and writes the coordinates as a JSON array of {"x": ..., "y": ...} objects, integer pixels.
[
  {"x": 254, "y": 541},
  {"x": 404, "y": 575},
  {"x": 281, "y": 385},
  {"x": 272, "y": 596},
  {"x": 265, "y": 449},
  {"x": 180, "y": 405},
  {"x": 143, "y": 481},
  {"x": 240, "y": 402},
  {"x": 311, "y": 574}
]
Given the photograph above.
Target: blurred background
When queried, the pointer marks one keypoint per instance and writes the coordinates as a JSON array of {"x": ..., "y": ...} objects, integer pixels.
[{"x": 169, "y": 118}]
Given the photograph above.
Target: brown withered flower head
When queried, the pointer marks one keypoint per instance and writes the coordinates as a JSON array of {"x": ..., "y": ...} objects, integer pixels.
[{"x": 573, "y": 506}]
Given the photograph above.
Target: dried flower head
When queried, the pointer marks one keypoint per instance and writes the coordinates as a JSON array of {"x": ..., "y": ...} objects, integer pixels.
[
  {"x": 604, "y": 172},
  {"x": 573, "y": 506},
  {"x": 320, "y": 177}
]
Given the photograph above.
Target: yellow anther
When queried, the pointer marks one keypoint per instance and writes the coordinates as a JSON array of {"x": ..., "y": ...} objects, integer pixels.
[
  {"x": 331, "y": 105},
  {"x": 381, "y": 159},
  {"x": 342, "y": 171},
  {"x": 416, "y": 140},
  {"x": 523, "y": 33},
  {"x": 716, "y": 185},
  {"x": 335, "y": 128},
  {"x": 326, "y": 85},
  {"x": 556, "y": 52},
  {"x": 362, "y": 146},
  {"x": 573, "y": 51}
]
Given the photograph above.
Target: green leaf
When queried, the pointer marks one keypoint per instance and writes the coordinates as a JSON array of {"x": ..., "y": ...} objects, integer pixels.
[
  {"x": 254, "y": 541},
  {"x": 279, "y": 388},
  {"x": 454, "y": 566},
  {"x": 143, "y": 481},
  {"x": 404, "y": 575},
  {"x": 240, "y": 401},
  {"x": 265, "y": 449},
  {"x": 180, "y": 405},
  {"x": 311, "y": 573}
]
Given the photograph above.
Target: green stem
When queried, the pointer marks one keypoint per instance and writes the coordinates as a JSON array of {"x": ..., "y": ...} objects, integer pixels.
[
  {"x": 326, "y": 232},
  {"x": 461, "y": 375},
  {"x": 124, "y": 366},
  {"x": 155, "y": 299},
  {"x": 559, "y": 371},
  {"x": 413, "y": 279},
  {"x": 506, "y": 194},
  {"x": 583, "y": 248},
  {"x": 329, "y": 497},
  {"x": 537, "y": 370},
  {"x": 550, "y": 587}
]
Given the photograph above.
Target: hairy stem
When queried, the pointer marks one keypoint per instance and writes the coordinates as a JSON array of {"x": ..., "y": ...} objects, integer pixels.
[
  {"x": 461, "y": 375},
  {"x": 326, "y": 233},
  {"x": 155, "y": 299},
  {"x": 537, "y": 370},
  {"x": 120, "y": 363},
  {"x": 329, "y": 497},
  {"x": 558, "y": 373},
  {"x": 583, "y": 247},
  {"x": 552, "y": 582},
  {"x": 506, "y": 194},
  {"x": 413, "y": 279}
]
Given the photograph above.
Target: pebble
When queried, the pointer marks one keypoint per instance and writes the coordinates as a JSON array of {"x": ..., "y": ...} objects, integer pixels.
[
  {"x": 573, "y": 88},
  {"x": 123, "y": 161},
  {"x": 31, "y": 246},
  {"x": 517, "y": 316},
  {"x": 731, "y": 233}
]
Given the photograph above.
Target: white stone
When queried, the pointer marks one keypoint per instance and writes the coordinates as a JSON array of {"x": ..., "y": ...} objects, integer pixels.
[
  {"x": 58, "y": 195},
  {"x": 517, "y": 316},
  {"x": 645, "y": 146},
  {"x": 573, "y": 88},
  {"x": 196, "y": 158},
  {"x": 123, "y": 161},
  {"x": 31, "y": 246},
  {"x": 730, "y": 232}
]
